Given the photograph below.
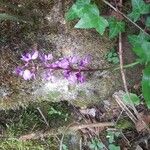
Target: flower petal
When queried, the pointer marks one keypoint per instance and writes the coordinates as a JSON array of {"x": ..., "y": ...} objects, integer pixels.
[
  {"x": 64, "y": 63},
  {"x": 27, "y": 75},
  {"x": 35, "y": 55}
]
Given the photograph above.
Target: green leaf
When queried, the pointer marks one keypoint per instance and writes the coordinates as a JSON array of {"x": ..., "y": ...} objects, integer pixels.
[
  {"x": 141, "y": 46},
  {"x": 133, "y": 97},
  {"x": 115, "y": 27},
  {"x": 113, "y": 147},
  {"x": 148, "y": 22},
  {"x": 146, "y": 85},
  {"x": 139, "y": 7},
  {"x": 89, "y": 16},
  {"x": 92, "y": 21},
  {"x": 101, "y": 25},
  {"x": 87, "y": 22},
  {"x": 79, "y": 9},
  {"x": 72, "y": 13}
]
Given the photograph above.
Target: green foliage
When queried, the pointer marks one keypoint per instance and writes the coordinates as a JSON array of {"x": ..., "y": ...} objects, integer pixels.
[
  {"x": 64, "y": 147},
  {"x": 141, "y": 45},
  {"x": 139, "y": 7},
  {"x": 89, "y": 16},
  {"x": 53, "y": 112},
  {"x": 15, "y": 144},
  {"x": 131, "y": 99},
  {"x": 27, "y": 119},
  {"x": 113, "y": 147},
  {"x": 115, "y": 27},
  {"x": 96, "y": 144},
  {"x": 124, "y": 124},
  {"x": 111, "y": 139},
  {"x": 112, "y": 57},
  {"x": 148, "y": 22},
  {"x": 146, "y": 85}
]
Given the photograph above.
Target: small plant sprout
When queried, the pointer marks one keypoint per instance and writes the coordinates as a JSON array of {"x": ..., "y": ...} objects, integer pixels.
[
  {"x": 112, "y": 57},
  {"x": 96, "y": 144}
]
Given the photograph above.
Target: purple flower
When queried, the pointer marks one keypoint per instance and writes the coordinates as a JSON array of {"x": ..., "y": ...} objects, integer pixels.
[
  {"x": 63, "y": 63},
  {"x": 72, "y": 67},
  {"x": 27, "y": 75},
  {"x": 45, "y": 58},
  {"x": 85, "y": 61},
  {"x": 27, "y": 57},
  {"x": 74, "y": 77},
  {"x": 80, "y": 77},
  {"x": 74, "y": 59},
  {"x": 18, "y": 71}
]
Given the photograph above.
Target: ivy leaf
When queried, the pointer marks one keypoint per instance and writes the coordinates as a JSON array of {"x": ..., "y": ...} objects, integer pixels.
[
  {"x": 89, "y": 16},
  {"x": 102, "y": 23},
  {"x": 146, "y": 85},
  {"x": 132, "y": 97},
  {"x": 80, "y": 8},
  {"x": 72, "y": 13},
  {"x": 141, "y": 46},
  {"x": 148, "y": 22},
  {"x": 115, "y": 27},
  {"x": 139, "y": 7},
  {"x": 92, "y": 21},
  {"x": 86, "y": 22}
]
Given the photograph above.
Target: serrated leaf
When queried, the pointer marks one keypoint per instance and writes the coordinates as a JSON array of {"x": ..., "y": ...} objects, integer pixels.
[
  {"x": 139, "y": 7},
  {"x": 87, "y": 22},
  {"x": 148, "y": 22},
  {"x": 92, "y": 21},
  {"x": 79, "y": 9},
  {"x": 115, "y": 27},
  {"x": 134, "y": 15},
  {"x": 131, "y": 97},
  {"x": 72, "y": 13},
  {"x": 101, "y": 25},
  {"x": 146, "y": 85},
  {"x": 141, "y": 46}
]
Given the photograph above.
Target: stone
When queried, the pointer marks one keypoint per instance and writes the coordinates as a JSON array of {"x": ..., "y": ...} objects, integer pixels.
[{"x": 67, "y": 41}]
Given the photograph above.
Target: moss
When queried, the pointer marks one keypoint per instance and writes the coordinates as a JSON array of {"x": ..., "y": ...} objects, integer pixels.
[
  {"x": 125, "y": 124},
  {"x": 15, "y": 144}
]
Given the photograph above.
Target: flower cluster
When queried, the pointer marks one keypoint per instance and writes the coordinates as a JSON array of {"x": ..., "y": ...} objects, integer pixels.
[{"x": 72, "y": 67}]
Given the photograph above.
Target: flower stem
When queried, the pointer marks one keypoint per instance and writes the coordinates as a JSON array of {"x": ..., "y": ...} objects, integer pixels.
[
  {"x": 128, "y": 65},
  {"x": 93, "y": 70}
]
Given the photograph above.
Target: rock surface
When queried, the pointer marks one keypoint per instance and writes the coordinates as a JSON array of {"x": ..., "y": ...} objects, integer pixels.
[{"x": 66, "y": 41}]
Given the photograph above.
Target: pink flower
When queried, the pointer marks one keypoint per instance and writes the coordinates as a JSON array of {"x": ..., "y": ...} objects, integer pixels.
[
  {"x": 27, "y": 57},
  {"x": 45, "y": 58},
  {"x": 27, "y": 75},
  {"x": 63, "y": 63}
]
